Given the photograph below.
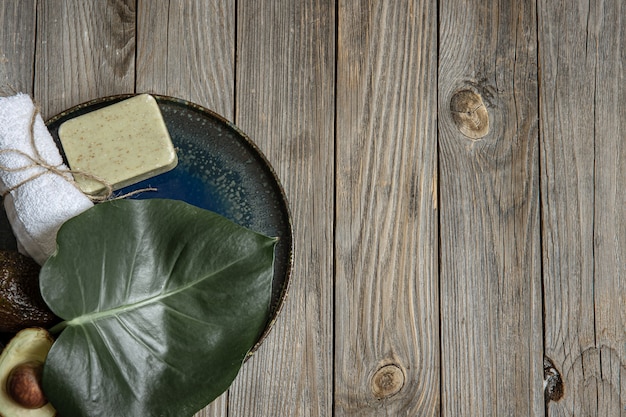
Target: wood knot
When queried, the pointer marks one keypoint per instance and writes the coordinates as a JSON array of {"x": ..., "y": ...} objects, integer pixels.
[
  {"x": 387, "y": 381},
  {"x": 552, "y": 382},
  {"x": 470, "y": 114}
]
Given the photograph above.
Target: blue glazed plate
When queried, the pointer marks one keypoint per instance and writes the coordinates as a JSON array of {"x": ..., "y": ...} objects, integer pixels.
[{"x": 219, "y": 169}]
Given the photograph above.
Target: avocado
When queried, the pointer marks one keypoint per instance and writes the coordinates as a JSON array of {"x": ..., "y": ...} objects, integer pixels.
[
  {"x": 21, "y": 362},
  {"x": 21, "y": 304}
]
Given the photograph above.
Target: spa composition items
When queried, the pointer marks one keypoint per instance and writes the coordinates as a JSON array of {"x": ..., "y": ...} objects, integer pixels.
[
  {"x": 106, "y": 150},
  {"x": 118, "y": 277}
]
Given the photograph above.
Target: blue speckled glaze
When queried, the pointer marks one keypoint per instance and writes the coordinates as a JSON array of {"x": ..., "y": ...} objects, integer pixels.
[
  {"x": 208, "y": 176},
  {"x": 219, "y": 169}
]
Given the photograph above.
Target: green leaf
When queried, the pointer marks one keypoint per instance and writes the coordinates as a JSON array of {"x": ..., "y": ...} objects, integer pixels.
[{"x": 161, "y": 302}]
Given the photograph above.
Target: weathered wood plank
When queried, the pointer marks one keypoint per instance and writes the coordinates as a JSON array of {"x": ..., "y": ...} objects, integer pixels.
[
  {"x": 610, "y": 208},
  {"x": 186, "y": 49},
  {"x": 285, "y": 102},
  {"x": 85, "y": 50},
  {"x": 387, "y": 318},
  {"x": 582, "y": 156},
  {"x": 17, "y": 46},
  {"x": 17, "y": 58},
  {"x": 490, "y": 269}
]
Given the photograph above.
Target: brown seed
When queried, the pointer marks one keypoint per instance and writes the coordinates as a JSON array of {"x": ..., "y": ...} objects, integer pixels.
[{"x": 24, "y": 385}]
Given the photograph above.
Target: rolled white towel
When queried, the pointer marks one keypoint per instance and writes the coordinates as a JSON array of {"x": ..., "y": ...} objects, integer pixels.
[{"x": 37, "y": 199}]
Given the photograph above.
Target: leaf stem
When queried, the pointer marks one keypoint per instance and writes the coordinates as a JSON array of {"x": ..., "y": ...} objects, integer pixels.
[{"x": 58, "y": 328}]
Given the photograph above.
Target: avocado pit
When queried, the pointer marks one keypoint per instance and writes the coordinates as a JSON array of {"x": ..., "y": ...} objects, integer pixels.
[{"x": 24, "y": 385}]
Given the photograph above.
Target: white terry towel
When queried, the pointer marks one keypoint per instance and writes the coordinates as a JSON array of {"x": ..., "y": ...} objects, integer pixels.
[{"x": 46, "y": 198}]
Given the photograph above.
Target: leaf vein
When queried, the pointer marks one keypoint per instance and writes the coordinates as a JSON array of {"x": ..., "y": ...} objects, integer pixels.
[
  {"x": 147, "y": 347},
  {"x": 186, "y": 316},
  {"x": 118, "y": 366}
]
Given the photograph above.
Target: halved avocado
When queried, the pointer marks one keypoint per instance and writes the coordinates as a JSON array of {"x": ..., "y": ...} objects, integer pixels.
[{"x": 29, "y": 346}]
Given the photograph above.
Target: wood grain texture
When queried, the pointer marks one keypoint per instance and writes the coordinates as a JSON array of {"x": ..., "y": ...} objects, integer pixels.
[
  {"x": 434, "y": 177},
  {"x": 490, "y": 269},
  {"x": 186, "y": 49},
  {"x": 386, "y": 309},
  {"x": 17, "y": 58},
  {"x": 17, "y": 48},
  {"x": 582, "y": 157},
  {"x": 85, "y": 50},
  {"x": 285, "y": 102}
]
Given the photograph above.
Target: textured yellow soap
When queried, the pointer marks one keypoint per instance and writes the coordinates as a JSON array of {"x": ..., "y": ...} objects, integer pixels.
[{"x": 122, "y": 144}]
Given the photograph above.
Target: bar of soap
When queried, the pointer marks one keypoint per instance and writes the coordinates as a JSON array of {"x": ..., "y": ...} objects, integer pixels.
[{"x": 122, "y": 144}]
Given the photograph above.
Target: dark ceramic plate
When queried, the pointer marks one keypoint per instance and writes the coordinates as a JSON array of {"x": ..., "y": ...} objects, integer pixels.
[{"x": 219, "y": 169}]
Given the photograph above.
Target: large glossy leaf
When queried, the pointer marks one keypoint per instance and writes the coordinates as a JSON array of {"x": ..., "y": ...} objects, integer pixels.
[{"x": 161, "y": 302}]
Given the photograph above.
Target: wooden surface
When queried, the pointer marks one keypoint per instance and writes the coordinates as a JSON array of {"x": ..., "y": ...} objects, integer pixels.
[
  {"x": 583, "y": 232},
  {"x": 386, "y": 308},
  {"x": 454, "y": 172},
  {"x": 490, "y": 277}
]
